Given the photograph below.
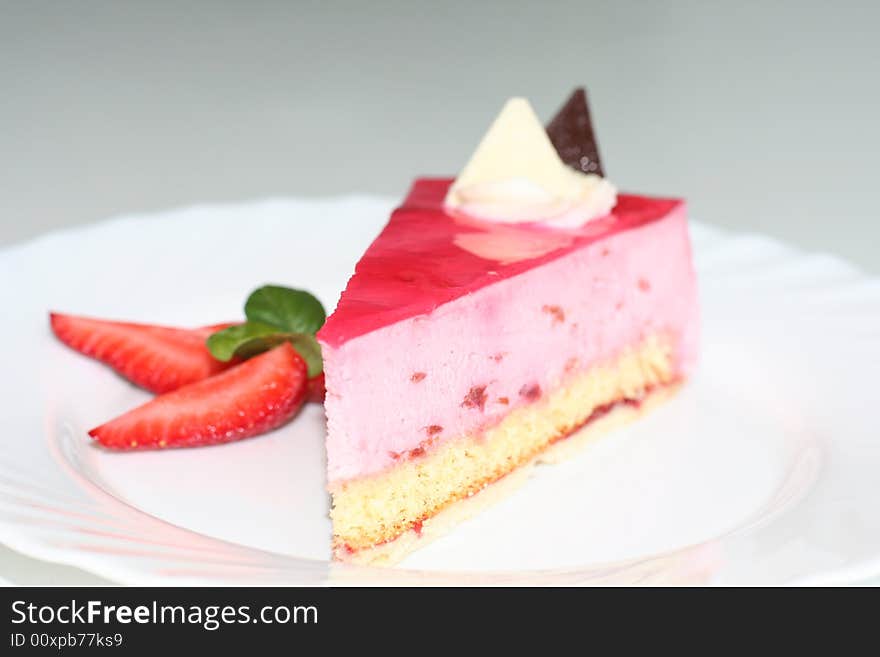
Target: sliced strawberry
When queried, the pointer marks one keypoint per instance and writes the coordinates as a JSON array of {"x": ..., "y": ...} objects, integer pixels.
[
  {"x": 158, "y": 358},
  {"x": 256, "y": 396},
  {"x": 316, "y": 390},
  {"x": 213, "y": 328}
]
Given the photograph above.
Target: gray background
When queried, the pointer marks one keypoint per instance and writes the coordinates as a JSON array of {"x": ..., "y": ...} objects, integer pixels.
[{"x": 763, "y": 114}]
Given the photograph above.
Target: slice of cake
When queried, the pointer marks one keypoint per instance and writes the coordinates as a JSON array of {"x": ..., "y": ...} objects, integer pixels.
[{"x": 495, "y": 316}]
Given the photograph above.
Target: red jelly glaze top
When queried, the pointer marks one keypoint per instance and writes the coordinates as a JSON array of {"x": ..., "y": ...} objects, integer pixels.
[{"x": 418, "y": 263}]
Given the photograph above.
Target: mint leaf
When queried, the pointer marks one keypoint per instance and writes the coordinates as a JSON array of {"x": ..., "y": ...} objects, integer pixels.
[
  {"x": 252, "y": 338},
  {"x": 275, "y": 314},
  {"x": 310, "y": 350},
  {"x": 243, "y": 340},
  {"x": 290, "y": 310}
]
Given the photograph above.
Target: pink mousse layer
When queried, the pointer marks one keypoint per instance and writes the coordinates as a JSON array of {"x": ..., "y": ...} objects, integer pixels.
[{"x": 448, "y": 324}]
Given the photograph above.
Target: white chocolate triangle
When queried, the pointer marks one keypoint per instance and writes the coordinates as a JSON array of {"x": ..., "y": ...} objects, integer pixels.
[{"x": 516, "y": 148}]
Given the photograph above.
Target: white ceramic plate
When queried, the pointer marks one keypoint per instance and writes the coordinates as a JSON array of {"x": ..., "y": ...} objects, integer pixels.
[{"x": 763, "y": 470}]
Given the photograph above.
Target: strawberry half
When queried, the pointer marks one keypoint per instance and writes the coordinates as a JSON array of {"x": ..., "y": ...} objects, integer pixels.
[
  {"x": 251, "y": 398},
  {"x": 158, "y": 358},
  {"x": 316, "y": 390}
]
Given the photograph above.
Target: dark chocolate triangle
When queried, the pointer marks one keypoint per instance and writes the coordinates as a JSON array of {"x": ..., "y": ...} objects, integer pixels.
[{"x": 571, "y": 132}]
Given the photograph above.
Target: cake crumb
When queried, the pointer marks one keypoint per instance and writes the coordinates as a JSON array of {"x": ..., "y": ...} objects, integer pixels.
[
  {"x": 503, "y": 400},
  {"x": 644, "y": 285},
  {"x": 433, "y": 430},
  {"x": 417, "y": 376}
]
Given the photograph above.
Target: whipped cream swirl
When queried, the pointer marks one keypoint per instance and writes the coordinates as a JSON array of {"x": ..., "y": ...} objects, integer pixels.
[{"x": 519, "y": 200}]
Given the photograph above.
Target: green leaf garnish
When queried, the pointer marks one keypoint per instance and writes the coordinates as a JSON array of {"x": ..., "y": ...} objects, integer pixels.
[
  {"x": 275, "y": 314},
  {"x": 244, "y": 340},
  {"x": 293, "y": 311},
  {"x": 310, "y": 351}
]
